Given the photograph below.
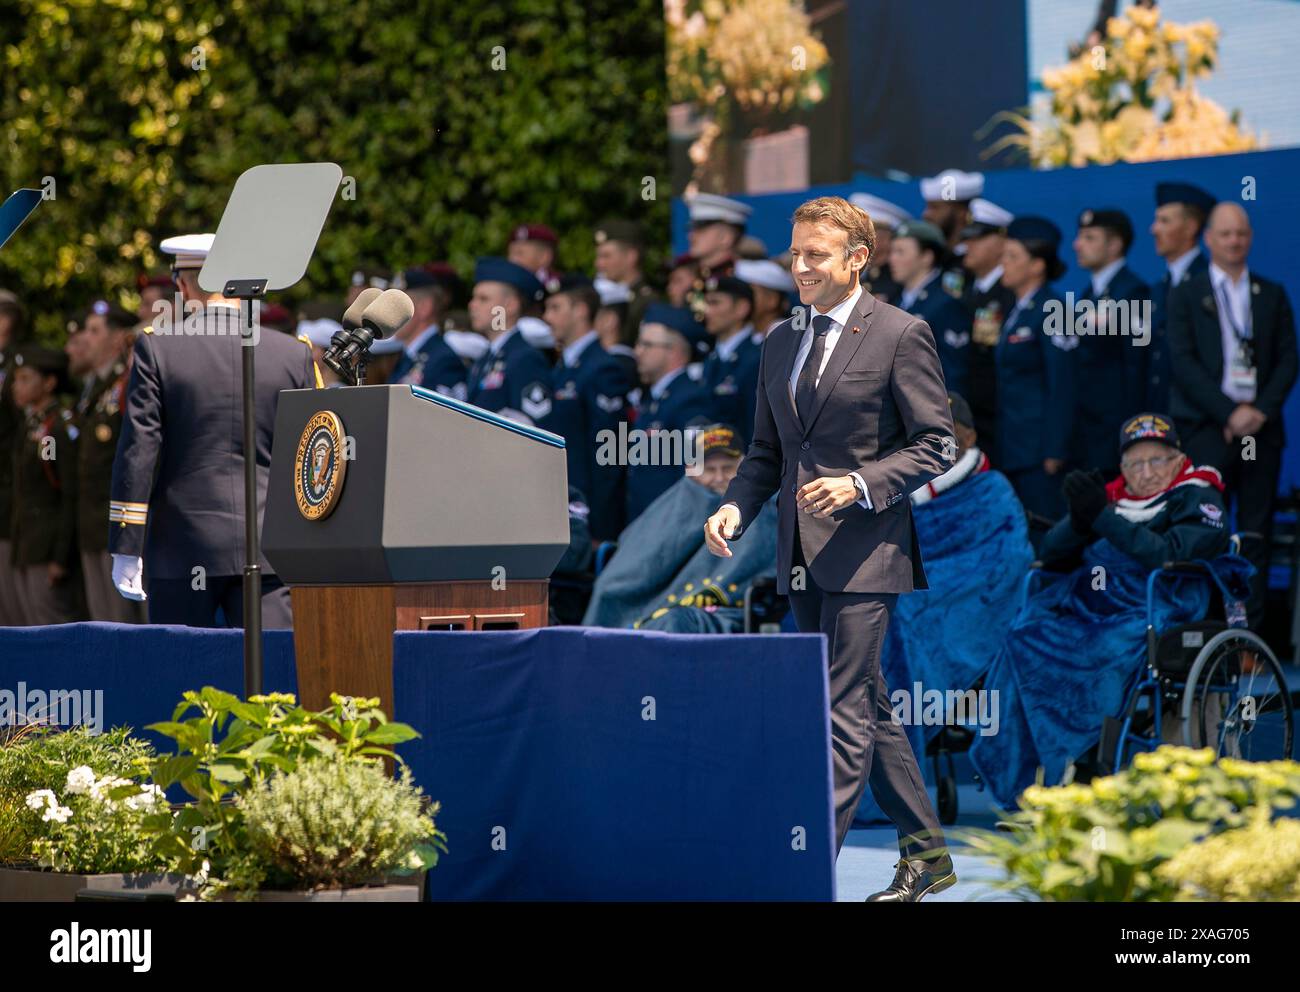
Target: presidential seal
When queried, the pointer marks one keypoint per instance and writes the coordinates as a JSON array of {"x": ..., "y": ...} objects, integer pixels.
[{"x": 319, "y": 466}]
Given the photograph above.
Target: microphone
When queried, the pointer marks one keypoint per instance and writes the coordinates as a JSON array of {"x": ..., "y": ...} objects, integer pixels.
[
  {"x": 352, "y": 318},
  {"x": 383, "y": 317}
]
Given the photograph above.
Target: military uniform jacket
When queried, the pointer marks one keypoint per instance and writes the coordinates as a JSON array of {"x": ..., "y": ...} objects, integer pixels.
[
  {"x": 178, "y": 478},
  {"x": 515, "y": 378},
  {"x": 1036, "y": 386},
  {"x": 684, "y": 403},
  {"x": 590, "y": 397},
  {"x": 1159, "y": 362},
  {"x": 11, "y": 422},
  {"x": 99, "y": 424},
  {"x": 435, "y": 367},
  {"x": 733, "y": 381},
  {"x": 950, "y": 324},
  {"x": 988, "y": 309},
  {"x": 44, "y": 516},
  {"x": 1114, "y": 368}
]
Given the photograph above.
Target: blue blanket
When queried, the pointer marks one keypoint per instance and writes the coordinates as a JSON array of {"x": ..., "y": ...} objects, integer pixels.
[
  {"x": 975, "y": 545},
  {"x": 664, "y": 578},
  {"x": 1070, "y": 659}
]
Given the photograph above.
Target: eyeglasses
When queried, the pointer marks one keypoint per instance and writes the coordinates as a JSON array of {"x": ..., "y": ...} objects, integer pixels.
[{"x": 1154, "y": 464}]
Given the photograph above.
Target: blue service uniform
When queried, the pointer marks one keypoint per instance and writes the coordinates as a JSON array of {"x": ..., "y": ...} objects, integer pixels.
[
  {"x": 733, "y": 382},
  {"x": 1114, "y": 367},
  {"x": 177, "y": 493},
  {"x": 684, "y": 403},
  {"x": 435, "y": 366},
  {"x": 514, "y": 376},
  {"x": 590, "y": 397},
  {"x": 1035, "y": 395},
  {"x": 1160, "y": 361},
  {"x": 951, "y": 325}
]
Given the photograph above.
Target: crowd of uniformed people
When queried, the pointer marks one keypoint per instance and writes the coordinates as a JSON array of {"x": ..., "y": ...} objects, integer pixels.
[{"x": 93, "y": 452}]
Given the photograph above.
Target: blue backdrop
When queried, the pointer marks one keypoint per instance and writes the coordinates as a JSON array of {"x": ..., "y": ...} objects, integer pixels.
[
  {"x": 572, "y": 763},
  {"x": 1062, "y": 194}
]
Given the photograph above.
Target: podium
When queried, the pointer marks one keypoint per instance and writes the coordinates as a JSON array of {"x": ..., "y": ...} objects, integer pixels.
[{"x": 396, "y": 508}]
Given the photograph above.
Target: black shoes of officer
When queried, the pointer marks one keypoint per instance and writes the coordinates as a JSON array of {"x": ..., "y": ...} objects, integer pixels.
[{"x": 917, "y": 878}]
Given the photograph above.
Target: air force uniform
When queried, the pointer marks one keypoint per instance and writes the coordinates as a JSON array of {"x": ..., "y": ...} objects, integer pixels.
[
  {"x": 512, "y": 377},
  {"x": 589, "y": 399}
]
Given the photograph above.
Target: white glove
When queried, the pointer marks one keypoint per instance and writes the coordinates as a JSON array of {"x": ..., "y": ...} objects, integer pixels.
[{"x": 127, "y": 575}]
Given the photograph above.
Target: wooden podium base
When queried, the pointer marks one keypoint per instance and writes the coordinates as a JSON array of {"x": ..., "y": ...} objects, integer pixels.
[{"x": 343, "y": 635}]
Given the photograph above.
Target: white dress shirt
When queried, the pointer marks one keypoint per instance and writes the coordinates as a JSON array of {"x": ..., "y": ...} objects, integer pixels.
[
  {"x": 839, "y": 316},
  {"x": 1236, "y": 296},
  {"x": 573, "y": 351},
  {"x": 987, "y": 281}
]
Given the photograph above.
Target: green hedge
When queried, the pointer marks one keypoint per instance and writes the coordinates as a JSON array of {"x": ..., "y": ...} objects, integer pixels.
[{"x": 447, "y": 152}]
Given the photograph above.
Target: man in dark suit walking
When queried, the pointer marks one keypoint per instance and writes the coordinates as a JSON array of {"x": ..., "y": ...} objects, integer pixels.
[
  {"x": 1232, "y": 337},
  {"x": 851, "y": 416}
]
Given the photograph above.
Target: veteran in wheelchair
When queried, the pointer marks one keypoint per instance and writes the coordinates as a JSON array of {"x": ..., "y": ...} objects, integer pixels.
[{"x": 1133, "y": 630}]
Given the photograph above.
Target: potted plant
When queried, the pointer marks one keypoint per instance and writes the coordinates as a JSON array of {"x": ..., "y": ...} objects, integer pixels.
[
  {"x": 73, "y": 807},
  {"x": 291, "y": 803}
]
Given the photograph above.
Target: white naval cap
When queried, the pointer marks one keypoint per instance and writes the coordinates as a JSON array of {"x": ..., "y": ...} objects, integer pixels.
[
  {"x": 984, "y": 211},
  {"x": 880, "y": 211},
  {"x": 319, "y": 332},
  {"x": 611, "y": 292},
  {"x": 764, "y": 272},
  {"x": 957, "y": 185},
  {"x": 191, "y": 250},
  {"x": 705, "y": 207}
]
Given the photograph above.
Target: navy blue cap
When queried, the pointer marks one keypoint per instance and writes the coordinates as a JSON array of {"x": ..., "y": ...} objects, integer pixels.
[
  {"x": 1184, "y": 193},
  {"x": 502, "y": 270},
  {"x": 1148, "y": 427},
  {"x": 680, "y": 319},
  {"x": 1110, "y": 219},
  {"x": 731, "y": 286},
  {"x": 1034, "y": 229}
]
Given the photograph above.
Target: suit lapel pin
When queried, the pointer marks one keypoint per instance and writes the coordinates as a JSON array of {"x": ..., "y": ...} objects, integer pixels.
[{"x": 856, "y": 328}]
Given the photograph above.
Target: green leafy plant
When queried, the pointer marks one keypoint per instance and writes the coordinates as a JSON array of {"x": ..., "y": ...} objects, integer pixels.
[
  {"x": 1258, "y": 862},
  {"x": 1104, "y": 841},
  {"x": 332, "y": 822},
  {"x": 34, "y": 758},
  {"x": 230, "y": 747}
]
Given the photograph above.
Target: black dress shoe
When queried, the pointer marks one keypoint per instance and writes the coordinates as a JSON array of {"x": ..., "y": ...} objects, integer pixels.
[{"x": 916, "y": 879}]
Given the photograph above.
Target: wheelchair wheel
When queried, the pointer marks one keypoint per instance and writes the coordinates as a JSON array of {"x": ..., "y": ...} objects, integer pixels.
[{"x": 1237, "y": 701}]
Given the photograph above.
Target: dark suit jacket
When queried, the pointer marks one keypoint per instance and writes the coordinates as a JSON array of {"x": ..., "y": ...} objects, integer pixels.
[
  {"x": 181, "y": 450},
  {"x": 1196, "y": 344},
  {"x": 882, "y": 411}
]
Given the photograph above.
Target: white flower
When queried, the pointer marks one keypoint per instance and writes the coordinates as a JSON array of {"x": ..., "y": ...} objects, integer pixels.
[
  {"x": 40, "y": 798},
  {"x": 57, "y": 814},
  {"x": 80, "y": 780}
]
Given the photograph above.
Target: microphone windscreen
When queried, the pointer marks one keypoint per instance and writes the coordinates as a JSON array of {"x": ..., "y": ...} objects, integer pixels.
[
  {"x": 388, "y": 314},
  {"x": 352, "y": 318}
]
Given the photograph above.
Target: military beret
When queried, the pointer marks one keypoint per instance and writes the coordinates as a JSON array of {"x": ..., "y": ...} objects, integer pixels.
[
  {"x": 737, "y": 288},
  {"x": 624, "y": 231},
  {"x": 516, "y": 276},
  {"x": 925, "y": 233},
  {"x": 375, "y": 278},
  {"x": 144, "y": 280},
  {"x": 1034, "y": 229},
  {"x": 1109, "y": 219},
  {"x": 117, "y": 317},
  {"x": 534, "y": 232},
  {"x": 46, "y": 361}
]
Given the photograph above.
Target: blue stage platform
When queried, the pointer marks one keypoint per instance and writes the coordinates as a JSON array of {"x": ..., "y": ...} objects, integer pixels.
[{"x": 571, "y": 763}]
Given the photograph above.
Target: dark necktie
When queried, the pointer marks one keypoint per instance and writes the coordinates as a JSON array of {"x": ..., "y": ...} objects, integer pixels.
[{"x": 806, "y": 386}]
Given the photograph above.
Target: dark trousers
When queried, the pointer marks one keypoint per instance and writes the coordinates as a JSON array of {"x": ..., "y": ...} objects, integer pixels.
[
  {"x": 1039, "y": 492},
  {"x": 868, "y": 747},
  {"x": 1250, "y": 484},
  {"x": 176, "y": 601}
]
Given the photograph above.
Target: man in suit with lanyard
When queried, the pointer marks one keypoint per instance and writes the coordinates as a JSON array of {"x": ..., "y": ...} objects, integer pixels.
[
  {"x": 1232, "y": 337},
  {"x": 851, "y": 416}
]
